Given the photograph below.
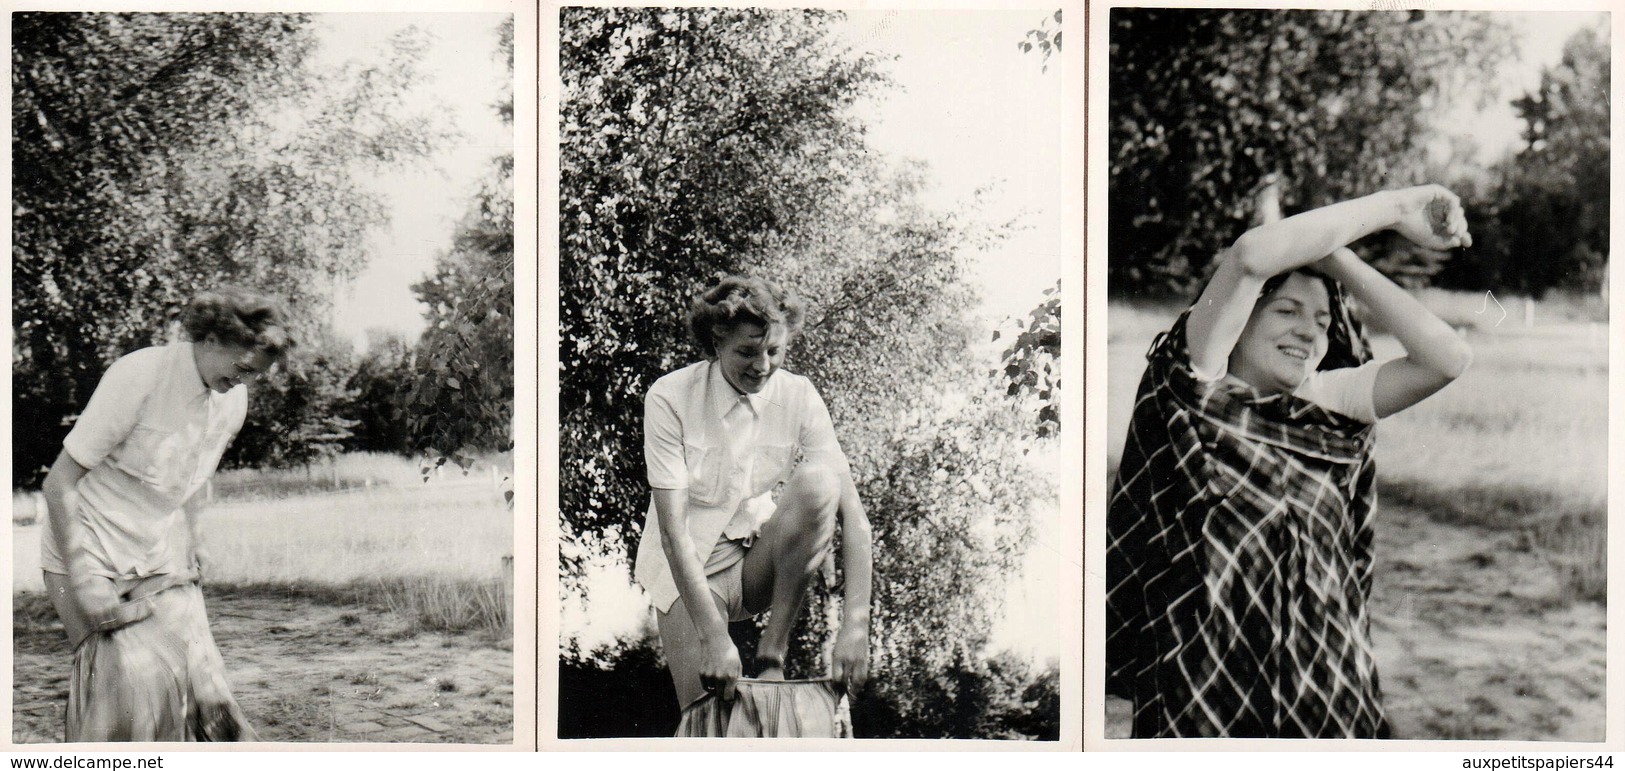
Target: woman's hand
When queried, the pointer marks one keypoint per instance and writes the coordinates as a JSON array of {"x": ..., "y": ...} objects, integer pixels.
[
  {"x": 720, "y": 667},
  {"x": 99, "y": 602},
  {"x": 851, "y": 665},
  {"x": 1432, "y": 218}
]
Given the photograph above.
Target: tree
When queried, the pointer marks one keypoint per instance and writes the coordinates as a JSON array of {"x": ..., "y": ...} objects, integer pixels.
[
  {"x": 1544, "y": 223},
  {"x": 382, "y": 377},
  {"x": 1032, "y": 362},
  {"x": 703, "y": 142},
  {"x": 156, "y": 155},
  {"x": 1204, "y": 103},
  {"x": 461, "y": 400}
]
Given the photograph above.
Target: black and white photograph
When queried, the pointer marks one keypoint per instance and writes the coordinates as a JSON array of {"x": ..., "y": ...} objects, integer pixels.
[
  {"x": 263, "y": 427},
  {"x": 1356, "y": 366},
  {"x": 810, "y": 409}
]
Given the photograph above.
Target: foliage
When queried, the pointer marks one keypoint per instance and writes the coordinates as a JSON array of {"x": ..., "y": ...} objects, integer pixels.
[
  {"x": 994, "y": 698},
  {"x": 1046, "y": 41},
  {"x": 383, "y": 374},
  {"x": 461, "y": 400},
  {"x": 1204, "y": 103},
  {"x": 296, "y": 414},
  {"x": 1032, "y": 362},
  {"x": 617, "y": 691},
  {"x": 156, "y": 155},
  {"x": 1544, "y": 223}
]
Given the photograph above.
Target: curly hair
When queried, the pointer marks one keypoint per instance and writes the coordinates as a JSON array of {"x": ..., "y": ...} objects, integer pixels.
[
  {"x": 737, "y": 300},
  {"x": 236, "y": 316}
]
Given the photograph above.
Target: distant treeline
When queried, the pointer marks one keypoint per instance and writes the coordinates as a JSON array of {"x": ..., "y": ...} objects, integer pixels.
[{"x": 1205, "y": 103}]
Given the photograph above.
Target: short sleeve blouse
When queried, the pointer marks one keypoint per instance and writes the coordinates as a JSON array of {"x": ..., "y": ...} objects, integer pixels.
[
  {"x": 150, "y": 437},
  {"x": 728, "y": 451}
]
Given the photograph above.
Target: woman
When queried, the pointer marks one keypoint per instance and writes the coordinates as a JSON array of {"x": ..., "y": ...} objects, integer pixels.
[
  {"x": 120, "y": 551},
  {"x": 1239, "y": 531},
  {"x": 720, "y": 436}
]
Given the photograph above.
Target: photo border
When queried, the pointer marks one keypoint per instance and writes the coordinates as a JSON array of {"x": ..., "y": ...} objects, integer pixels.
[
  {"x": 526, "y": 398},
  {"x": 1070, "y": 488},
  {"x": 1097, "y": 484}
]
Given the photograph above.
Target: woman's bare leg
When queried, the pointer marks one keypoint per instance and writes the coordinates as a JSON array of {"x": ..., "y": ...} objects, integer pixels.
[
  {"x": 790, "y": 549},
  {"x": 680, "y": 642}
]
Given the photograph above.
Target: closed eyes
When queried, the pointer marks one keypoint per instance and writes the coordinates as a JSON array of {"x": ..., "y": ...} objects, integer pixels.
[{"x": 1290, "y": 307}]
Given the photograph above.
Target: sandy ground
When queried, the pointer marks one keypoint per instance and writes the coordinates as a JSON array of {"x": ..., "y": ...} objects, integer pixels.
[
  {"x": 1474, "y": 639},
  {"x": 307, "y": 670}
]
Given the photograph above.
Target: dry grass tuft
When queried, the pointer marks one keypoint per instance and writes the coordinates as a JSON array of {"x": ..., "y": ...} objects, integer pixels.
[{"x": 442, "y": 604}]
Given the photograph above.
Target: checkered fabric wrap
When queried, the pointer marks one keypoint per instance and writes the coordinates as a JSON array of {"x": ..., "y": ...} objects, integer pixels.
[{"x": 1239, "y": 557}]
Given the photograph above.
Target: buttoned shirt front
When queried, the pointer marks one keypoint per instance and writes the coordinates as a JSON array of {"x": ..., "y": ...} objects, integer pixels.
[
  {"x": 150, "y": 437},
  {"x": 728, "y": 451}
]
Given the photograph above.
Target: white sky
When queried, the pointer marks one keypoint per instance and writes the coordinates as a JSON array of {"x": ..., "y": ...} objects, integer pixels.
[
  {"x": 464, "y": 77},
  {"x": 979, "y": 112},
  {"x": 1540, "y": 39}
]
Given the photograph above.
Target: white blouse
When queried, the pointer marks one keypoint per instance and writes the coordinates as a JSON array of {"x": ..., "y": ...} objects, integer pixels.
[
  {"x": 151, "y": 435},
  {"x": 728, "y": 451}
]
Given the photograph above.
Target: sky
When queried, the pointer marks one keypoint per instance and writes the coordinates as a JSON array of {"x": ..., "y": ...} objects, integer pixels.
[
  {"x": 1540, "y": 37},
  {"x": 981, "y": 113},
  {"x": 464, "y": 78}
]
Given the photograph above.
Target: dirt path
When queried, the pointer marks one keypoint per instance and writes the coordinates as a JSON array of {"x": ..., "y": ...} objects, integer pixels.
[
  {"x": 308, "y": 670},
  {"x": 1474, "y": 639}
]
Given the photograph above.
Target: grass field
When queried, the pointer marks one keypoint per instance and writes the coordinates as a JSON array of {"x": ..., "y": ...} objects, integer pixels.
[
  {"x": 1491, "y": 520},
  {"x": 354, "y": 571}
]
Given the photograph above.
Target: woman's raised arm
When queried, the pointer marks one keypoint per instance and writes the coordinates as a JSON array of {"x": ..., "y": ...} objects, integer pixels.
[
  {"x": 1434, "y": 354},
  {"x": 1221, "y": 313}
]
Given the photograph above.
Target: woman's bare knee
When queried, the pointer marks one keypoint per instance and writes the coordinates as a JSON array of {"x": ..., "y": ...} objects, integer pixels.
[{"x": 816, "y": 487}]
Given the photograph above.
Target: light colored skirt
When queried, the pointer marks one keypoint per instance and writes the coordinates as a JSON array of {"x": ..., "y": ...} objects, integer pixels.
[
  {"x": 771, "y": 709},
  {"x": 157, "y": 679}
]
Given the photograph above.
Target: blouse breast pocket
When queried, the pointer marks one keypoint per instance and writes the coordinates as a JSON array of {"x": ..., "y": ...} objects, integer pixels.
[
  {"x": 156, "y": 456},
  {"x": 706, "y": 485},
  {"x": 214, "y": 446},
  {"x": 772, "y": 466}
]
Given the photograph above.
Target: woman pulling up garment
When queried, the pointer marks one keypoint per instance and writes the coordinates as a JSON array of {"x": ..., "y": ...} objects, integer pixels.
[
  {"x": 1239, "y": 529},
  {"x": 719, "y": 545},
  {"x": 120, "y": 548}
]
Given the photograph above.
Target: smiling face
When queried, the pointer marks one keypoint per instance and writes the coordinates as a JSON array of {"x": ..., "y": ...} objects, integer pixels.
[
  {"x": 224, "y": 367},
  {"x": 750, "y": 353},
  {"x": 1286, "y": 337}
]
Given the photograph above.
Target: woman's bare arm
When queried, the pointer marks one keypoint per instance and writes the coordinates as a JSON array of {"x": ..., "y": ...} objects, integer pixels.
[
  {"x": 94, "y": 596},
  {"x": 60, "y": 489},
  {"x": 851, "y": 656},
  {"x": 720, "y": 666},
  {"x": 1221, "y": 313},
  {"x": 1434, "y": 354}
]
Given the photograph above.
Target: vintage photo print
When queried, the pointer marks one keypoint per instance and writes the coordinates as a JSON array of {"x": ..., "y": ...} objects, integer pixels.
[
  {"x": 268, "y": 447},
  {"x": 1349, "y": 466},
  {"x": 812, "y": 434}
]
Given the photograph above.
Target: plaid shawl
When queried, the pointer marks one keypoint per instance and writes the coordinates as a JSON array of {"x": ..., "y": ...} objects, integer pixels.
[{"x": 1239, "y": 557}]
